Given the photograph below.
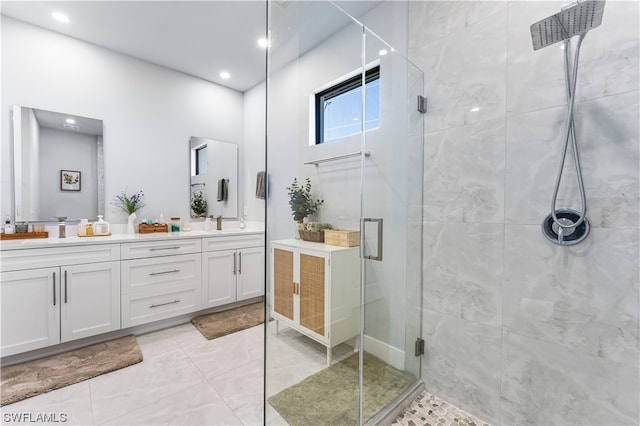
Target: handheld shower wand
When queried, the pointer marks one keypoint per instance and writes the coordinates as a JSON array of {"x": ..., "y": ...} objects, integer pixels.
[{"x": 567, "y": 226}]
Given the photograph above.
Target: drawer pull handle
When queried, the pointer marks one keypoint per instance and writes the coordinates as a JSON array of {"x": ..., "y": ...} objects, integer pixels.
[
  {"x": 164, "y": 248},
  {"x": 65, "y": 286},
  {"x": 164, "y": 272},
  {"x": 54, "y": 289},
  {"x": 235, "y": 271},
  {"x": 163, "y": 304}
]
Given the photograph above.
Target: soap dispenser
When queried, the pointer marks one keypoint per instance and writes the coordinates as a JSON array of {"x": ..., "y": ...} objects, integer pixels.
[
  {"x": 8, "y": 227},
  {"x": 101, "y": 227}
]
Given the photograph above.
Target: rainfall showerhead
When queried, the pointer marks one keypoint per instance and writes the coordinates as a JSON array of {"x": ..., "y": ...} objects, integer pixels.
[{"x": 578, "y": 18}]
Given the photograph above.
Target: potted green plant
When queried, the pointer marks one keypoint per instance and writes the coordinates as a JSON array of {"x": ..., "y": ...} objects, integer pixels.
[
  {"x": 301, "y": 201},
  {"x": 198, "y": 204}
]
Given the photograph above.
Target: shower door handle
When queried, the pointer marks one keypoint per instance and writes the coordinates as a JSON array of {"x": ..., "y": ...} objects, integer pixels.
[{"x": 378, "y": 221}]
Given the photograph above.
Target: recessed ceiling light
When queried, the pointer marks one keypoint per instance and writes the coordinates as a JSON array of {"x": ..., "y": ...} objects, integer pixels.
[
  {"x": 383, "y": 52},
  {"x": 70, "y": 121},
  {"x": 263, "y": 42},
  {"x": 225, "y": 75},
  {"x": 475, "y": 109},
  {"x": 60, "y": 17}
]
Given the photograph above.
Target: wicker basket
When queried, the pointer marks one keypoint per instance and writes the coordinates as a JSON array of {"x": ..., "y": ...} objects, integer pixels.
[{"x": 316, "y": 237}]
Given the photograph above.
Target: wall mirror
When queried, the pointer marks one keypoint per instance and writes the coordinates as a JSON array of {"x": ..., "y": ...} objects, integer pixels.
[
  {"x": 214, "y": 177},
  {"x": 58, "y": 165}
]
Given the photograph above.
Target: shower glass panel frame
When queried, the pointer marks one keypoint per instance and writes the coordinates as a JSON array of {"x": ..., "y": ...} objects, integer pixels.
[{"x": 371, "y": 183}]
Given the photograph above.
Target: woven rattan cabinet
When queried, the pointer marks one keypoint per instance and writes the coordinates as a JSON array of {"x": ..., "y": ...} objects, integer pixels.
[{"x": 314, "y": 289}]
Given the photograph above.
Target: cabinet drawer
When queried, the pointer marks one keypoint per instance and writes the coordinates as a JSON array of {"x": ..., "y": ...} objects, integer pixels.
[
  {"x": 232, "y": 242},
  {"x": 15, "y": 260},
  {"x": 142, "y": 278},
  {"x": 145, "y": 249},
  {"x": 141, "y": 311}
]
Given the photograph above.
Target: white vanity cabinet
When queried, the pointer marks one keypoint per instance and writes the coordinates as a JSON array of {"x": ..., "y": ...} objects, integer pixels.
[
  {"x": 160, "y": 279},
  {"x": 315, "y": 290},
  {"x": 55, "y": 295},
  {"x": 232, "y": 268}
]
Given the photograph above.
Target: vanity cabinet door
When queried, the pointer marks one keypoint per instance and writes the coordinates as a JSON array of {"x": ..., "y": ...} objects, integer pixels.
[
  {"x": 284, "y": 286},
  {"x": 312, "y": 291},
  {"x": 90, "y": 300},
  {"x": 219, "y": 269},
  {"x": 30, "y": 314},
  {"x": 250, "y": 273}
]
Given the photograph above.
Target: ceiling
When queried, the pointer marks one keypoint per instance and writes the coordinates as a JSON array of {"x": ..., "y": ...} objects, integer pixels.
[
  {"x": 200, "y": 38},
  {"x": 58, "y": 121}
]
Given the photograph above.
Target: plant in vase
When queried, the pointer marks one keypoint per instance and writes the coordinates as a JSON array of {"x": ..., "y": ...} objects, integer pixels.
[
  {"x": 301, "y": 201},
  {"x": 130, "y": 205},
  {"x": 198, "y": 205}
]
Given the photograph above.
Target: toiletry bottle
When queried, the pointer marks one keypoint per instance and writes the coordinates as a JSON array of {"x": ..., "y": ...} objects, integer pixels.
[
  {"x": 208, "y": 225},
  {"x": 241, "y": 222},
  {"x": 62, "y": 227},
  {"x": 100, "y": 227},
  {"x": 82, "y": 228},
  {"x": 175, "y": 224},
  {"x": 8, "y": 227},
  {"x": 219, "y": 223}
]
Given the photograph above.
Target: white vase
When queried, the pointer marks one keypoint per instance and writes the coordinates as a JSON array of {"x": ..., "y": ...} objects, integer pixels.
[{"x": 131, "y": 229}]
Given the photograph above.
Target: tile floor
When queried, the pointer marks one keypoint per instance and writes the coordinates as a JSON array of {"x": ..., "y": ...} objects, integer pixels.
[
  {"x": 429, "y": 410},
  {"x": 188, "y": 380},
  {"x": 184, "y": 379}
]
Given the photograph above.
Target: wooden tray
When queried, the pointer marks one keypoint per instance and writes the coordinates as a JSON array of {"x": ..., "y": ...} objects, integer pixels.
[
  {"x": 143, "y": 228},
  {"x": 342, "y": 237},
  {"x": 24, "y": 236}
]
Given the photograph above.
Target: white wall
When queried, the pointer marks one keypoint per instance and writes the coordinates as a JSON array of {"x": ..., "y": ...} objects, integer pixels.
[{"x": 149, "y": 113}]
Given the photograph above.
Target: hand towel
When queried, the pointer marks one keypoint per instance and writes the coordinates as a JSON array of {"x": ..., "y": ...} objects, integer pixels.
[{"x": 223, "y": 190}]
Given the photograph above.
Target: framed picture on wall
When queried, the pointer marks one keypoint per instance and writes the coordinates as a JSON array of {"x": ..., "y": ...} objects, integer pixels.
[{"x": 70, "y": 180}]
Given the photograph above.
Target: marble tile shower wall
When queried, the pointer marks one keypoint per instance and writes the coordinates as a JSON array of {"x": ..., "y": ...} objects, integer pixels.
[{"x": 518, "y": 330}]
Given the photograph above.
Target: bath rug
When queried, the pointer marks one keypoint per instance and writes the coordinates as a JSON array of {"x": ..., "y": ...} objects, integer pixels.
[
  {"x": 220, "y": 324},
  {"x": 330, "y": 397},
  {"x": 21, "y": 381}
]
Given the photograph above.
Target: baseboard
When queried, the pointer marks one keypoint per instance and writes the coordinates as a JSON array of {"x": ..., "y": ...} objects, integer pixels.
[{"x": 389, "y": 354}]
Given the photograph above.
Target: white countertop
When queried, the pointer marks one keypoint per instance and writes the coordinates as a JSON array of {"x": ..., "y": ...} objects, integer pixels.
[{"x": 120, "y": 238}]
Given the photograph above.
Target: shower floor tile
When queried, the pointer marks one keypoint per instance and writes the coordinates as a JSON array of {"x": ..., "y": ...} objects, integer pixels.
[{"x": 430, "y": 410}]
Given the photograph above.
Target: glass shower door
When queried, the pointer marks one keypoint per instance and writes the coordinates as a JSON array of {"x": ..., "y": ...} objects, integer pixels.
[
  {"x": 392, "y": 230},
  {"x": 340, "y": 343}
]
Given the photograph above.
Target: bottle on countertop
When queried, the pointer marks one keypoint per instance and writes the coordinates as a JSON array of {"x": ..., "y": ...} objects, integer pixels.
[
  {"x": 62, "y": 227},
  {"x": 175, "y": 224},
  {"x": 82, "y": 228},
  {"x": 101, "y": 227},
  {"x": 8, "y": 227}
]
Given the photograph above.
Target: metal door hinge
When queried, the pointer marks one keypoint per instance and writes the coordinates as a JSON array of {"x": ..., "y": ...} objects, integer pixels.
[
  {"x": 422, "y": 104},
  {"x": 419, "y": 346}
]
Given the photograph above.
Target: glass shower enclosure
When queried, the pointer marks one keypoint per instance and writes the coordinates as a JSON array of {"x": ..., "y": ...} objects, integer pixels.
[{"x": 343, "y": 305}]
